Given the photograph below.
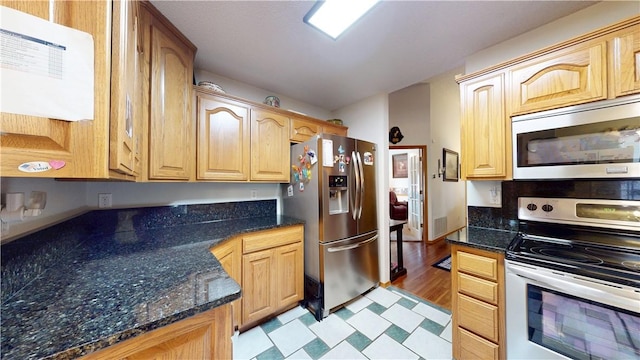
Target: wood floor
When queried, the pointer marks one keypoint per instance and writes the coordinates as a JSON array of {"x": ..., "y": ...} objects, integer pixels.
[{"x": 426, "y": 281}]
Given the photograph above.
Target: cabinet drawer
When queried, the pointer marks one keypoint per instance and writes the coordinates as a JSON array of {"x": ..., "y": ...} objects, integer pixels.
[
  {"x": 478, "y": 288},
  {"x": 478, "y": 265},
  {"x": 475, "y": 347},
  {"x": 478, "y": 316},
  {"x": 271, "y": 238}
]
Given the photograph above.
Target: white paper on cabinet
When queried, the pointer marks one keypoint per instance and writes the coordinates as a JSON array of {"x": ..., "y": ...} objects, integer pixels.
[{"x": 46, "y": 69}]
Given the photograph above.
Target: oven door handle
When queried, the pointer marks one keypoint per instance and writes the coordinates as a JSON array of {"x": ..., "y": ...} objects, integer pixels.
[{"x": 584, "y": 288}]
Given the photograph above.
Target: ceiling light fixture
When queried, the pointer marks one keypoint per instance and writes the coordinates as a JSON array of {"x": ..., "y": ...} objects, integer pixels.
[{"x": 333, "y": 17}]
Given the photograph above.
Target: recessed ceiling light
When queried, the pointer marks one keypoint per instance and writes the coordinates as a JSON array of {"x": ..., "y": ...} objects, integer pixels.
[{"x": 334, "y": 16}]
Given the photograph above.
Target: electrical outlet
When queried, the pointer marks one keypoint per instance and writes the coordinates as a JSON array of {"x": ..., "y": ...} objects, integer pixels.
[
  {"x": 104, "y": 200},
  {"x": 254, "y": 193}
]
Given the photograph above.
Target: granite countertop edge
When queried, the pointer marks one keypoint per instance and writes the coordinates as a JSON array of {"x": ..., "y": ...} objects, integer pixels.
[
  {"x": 489, "y": 239},
  {"x": 228, "y": 292}
]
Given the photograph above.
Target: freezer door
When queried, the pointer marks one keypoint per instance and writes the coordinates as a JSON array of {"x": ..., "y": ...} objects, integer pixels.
[
  {"x": 350, "y": 268},
  {"x": 367, "y": 161},
  {"x": 337, "y": 188}
]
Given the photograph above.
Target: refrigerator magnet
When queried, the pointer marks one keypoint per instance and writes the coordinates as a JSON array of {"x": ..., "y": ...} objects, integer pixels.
[
  {"x": 312, "y": 157},
  {"x": 340, "y": 150},
  {"x": 368, "y": 158},
  {"x": 301, "y": 186}
]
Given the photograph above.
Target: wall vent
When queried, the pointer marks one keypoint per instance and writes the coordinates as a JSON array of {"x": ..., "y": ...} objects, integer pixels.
[{"x": 439, "y": 226}]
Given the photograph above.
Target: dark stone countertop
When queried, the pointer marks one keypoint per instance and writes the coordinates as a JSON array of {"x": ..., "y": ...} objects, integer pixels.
[
  {"x": 115, "y": 286},
  {"x": 494, "y": 240}
]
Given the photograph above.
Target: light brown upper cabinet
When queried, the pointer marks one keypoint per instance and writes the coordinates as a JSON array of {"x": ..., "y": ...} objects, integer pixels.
[
  {"x": 125, "y": 135},
  {"x": 302, "y": 130},
  {"x": 574, "y": 75},
  {"x": 77, "y": 149},
  {"x": 239, "y": 141},
  {"x": 328, "y": 128},
  {"x": 624, "y": 66},
  {"x": 596, "y": 66},
  {"x": 223, "y": 139},
  {"x": 171, "y": 125},
  {"x": 485, "y": 128},
  {"x": 269, "y": 146}
]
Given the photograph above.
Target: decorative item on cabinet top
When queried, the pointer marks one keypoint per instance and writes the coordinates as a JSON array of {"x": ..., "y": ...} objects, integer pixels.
[
  {"x": 335, "y": 121},
  {"x": 212, "y": 86},
  {"x": 272, "y": 101}
]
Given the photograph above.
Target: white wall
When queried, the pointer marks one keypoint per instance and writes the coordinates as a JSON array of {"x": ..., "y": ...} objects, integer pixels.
[
  {"x": 65, "y": 199},
  {"x": 369, "y": 120},
  {"x": 409, "y": 110},
  {"x": 584, "y": 21},
  {"x": 446, "y": 198},
  {"x": 252, "y": 93}
]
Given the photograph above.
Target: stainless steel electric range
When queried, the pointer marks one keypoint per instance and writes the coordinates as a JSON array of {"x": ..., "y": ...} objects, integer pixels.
[{"x": 573, "y": 280}]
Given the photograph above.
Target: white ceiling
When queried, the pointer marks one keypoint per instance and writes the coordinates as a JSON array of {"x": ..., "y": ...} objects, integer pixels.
[{"x": 397, "y": 44}]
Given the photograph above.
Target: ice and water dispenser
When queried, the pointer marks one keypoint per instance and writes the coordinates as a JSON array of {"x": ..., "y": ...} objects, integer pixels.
[{"x": 338, "y": 194}]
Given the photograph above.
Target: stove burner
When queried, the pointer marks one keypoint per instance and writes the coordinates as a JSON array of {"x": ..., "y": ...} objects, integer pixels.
[
  {"x": 567, "y": 254},
  {"x": 633, "y": 265}
]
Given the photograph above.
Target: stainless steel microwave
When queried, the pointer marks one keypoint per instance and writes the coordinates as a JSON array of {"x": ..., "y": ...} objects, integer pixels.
[{"x": 599, "y": 140}]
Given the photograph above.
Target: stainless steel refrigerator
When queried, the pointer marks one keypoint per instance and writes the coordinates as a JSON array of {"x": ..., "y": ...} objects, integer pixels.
[{"x": 333, "y": 188}]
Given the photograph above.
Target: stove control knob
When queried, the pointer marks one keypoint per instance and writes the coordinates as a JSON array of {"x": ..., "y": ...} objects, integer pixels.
[
  {"x": 532, "y": 207},
  {"x": 547, "y": 208}
]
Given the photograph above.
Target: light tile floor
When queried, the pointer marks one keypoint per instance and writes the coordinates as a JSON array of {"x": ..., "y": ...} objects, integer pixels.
[{"x": 382, "y": 324}]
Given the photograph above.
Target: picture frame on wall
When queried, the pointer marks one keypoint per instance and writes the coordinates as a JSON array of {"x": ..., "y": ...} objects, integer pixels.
[
  {"x": 400, "y": 166},
  {"x": 451, "y": 162}
]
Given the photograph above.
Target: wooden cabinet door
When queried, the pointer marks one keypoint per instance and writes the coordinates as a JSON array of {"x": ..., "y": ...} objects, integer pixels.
[
  {"x": 269, "y": 146},
  {"x": 171, "y": 123},
  {"x": 568, "y": 77},
  {"x": 625, "y": 65},
  {"x": 334, "y": 130},
  {"x": 72, "y": 149},
  {"x": 485, "y": 128},
  {"x": 303, "y": 130},
  {"x": 258, "y": 287},
  {"x": 126, "y": 94},
  {"x": 203, "y": 336},
  {"x": 289, "y": 273},
  {"x": 223, "y": 139},
  {"x": 229, "y": 254}
]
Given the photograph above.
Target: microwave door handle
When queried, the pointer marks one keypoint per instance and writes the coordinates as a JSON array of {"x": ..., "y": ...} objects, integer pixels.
[
  {"x": 356, "y": 196},
  {"x": 361, "y": 193},
  {"x": 352, "y": 246}
]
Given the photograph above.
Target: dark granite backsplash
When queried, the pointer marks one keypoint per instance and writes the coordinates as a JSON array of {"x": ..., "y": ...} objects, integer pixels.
[
  {"x": 52, "y": 246},
  {"x": 506, "y": 217}
]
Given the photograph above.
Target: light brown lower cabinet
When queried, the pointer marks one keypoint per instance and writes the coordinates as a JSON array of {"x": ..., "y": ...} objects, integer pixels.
[
  {"x": 269, "y": 266},
  {"x": 478, "y": 304},
  {"x": 203, "y": 336}
]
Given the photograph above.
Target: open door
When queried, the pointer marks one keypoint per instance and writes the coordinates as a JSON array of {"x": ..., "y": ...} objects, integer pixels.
[
  {"x": 411, "y": 187},
  {"x": 416, "y": 198}
]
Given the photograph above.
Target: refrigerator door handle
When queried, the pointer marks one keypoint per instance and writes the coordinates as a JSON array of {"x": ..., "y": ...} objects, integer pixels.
[
  {"x": 352, "y": 246},
  {"x": 361, "y": 193},
  {"x": 356, "y": 205}
]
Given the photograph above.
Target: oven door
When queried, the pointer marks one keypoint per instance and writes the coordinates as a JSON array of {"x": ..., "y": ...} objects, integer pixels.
[
  {"x": 554, "y": 315},
  {"x": 597, "y": 140}
]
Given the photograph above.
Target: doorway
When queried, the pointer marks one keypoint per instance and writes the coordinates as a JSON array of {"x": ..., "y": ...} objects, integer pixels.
[{"x": 412, "y": 186}]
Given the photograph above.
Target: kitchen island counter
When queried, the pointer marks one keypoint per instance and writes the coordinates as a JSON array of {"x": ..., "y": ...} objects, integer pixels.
[
  {"x": 96, "y": 288},
  {"x": 493, "y": 240}
]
